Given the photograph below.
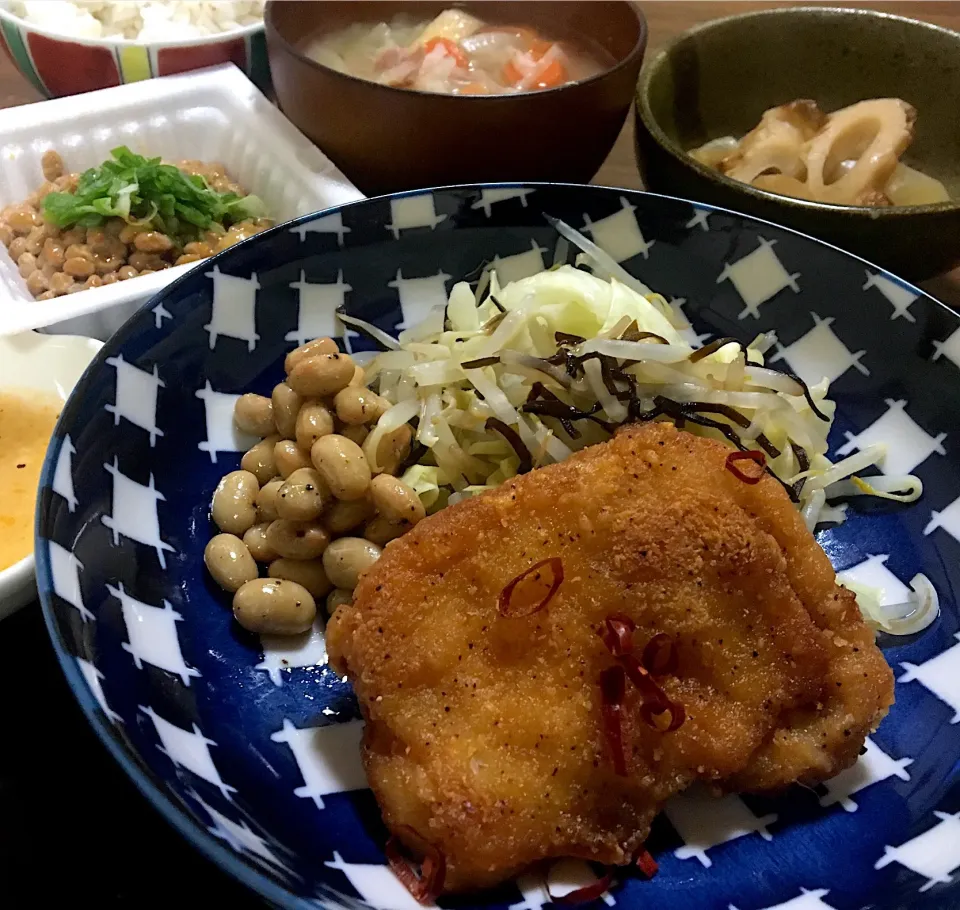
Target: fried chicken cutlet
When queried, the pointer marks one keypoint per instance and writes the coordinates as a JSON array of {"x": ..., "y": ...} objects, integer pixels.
[{"x": 485, "y": 733}]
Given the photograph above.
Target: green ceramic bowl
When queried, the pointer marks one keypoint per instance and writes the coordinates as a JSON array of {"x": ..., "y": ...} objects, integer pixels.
[{"x": 719, "y": 78}]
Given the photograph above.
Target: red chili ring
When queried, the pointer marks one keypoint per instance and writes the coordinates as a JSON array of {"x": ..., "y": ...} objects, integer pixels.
[
  {"x": 753, "y": 455},
  {"x": 660, "y": 655},
  {"x": 586, "y": 893},
  {"x": 618, "y": 636},
  {"x": 677, "y": 712},
  {"x": 503, "y": 602},
  {"x": 652, "y": 697},
  {"x": 433, "y": 868}
]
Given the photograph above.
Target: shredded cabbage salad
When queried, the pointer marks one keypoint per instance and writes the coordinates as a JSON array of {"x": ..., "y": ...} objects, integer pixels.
[{"x": 505, "y": 379}]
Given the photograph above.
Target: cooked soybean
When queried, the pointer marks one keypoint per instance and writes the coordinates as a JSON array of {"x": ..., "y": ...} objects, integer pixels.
[
  {"x": 307, "y": 482},
  {"x": 395, "y": 501},
  {"x": 298, "y": 539},
  {"x": 229, "y": 561},
  {"x": 311, "y": 349},
  {"x": 345, "y": 515},
  {"x": 267, "y": 500},
  {"x": 358, "y": 406},
  {"x": 286, "y": 406},
  {"x": 256, "y": 541},
  {"x": 342, "y": 465},
  {"x": 260, "y": 461},
  {"x": 347, "y": 558},
  {"x": 313, "y": 421},
  {"x": 381, "y": 531},
  {"x": 274, "y": 606},
  {"x": 355, "y": 434},
  {"x": 337, "y": 598},
  {"x": 289, "y": 457},
  {"x": 321, "y": 376},
  {"x": 233, "y": 507},
  {"x": 303, "y": 496},
  {"x": 307, "y": 572},
  {"x": 392, "y": 450},
  {"x": 254, "y": 414}
]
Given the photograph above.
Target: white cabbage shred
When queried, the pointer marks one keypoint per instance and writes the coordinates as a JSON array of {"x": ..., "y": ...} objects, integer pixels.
[
  {"x": 463, "y": 375},
  {"x": 903, "y": 618}
]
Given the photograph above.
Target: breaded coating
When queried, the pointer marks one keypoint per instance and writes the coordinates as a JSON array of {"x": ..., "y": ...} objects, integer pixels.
[{"x": 485, "y": 733}]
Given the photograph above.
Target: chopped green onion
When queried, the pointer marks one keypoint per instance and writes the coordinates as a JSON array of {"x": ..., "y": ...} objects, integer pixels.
[{"x": 144, "y": 191}]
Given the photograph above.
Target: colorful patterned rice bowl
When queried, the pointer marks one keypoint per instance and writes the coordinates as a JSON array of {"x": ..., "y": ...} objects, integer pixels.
[{"x": 57, "y": 64}]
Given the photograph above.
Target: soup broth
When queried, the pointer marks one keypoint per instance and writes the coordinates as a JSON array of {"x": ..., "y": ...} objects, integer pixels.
[
  {"x": 457, "y": 54},
  {"x": 27, "y": 419}
]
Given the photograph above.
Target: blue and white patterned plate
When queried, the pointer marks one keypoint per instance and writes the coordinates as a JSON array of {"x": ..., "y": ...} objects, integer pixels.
[{"x": 250, "y": 750}]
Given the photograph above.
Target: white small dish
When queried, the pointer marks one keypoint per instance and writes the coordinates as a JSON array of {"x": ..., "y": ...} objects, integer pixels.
[
  {"x": 215, "y": 114},
  {"x": 52, "y": 364}
]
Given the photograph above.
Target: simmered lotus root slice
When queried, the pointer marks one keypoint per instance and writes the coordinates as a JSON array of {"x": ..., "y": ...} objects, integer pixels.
[
  {"x": 777, "y": 143},
  {"x": 872, "y": 133}
]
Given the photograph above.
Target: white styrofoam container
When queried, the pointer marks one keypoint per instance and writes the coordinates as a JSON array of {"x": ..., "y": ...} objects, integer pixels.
[{"x": 215, "y": 114}]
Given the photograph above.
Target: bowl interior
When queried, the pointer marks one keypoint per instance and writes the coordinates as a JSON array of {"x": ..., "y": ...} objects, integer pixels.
[
  {"x": 47, "y": 363},
  {"x": 719, "y": 79},
  {"x": 614, "y": 26},
  {"x": 50, "y": 364},
  {"x": 250, "y": 747}
]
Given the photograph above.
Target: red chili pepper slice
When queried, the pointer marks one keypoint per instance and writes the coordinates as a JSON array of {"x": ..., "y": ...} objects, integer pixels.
[
  {"x": 613, "y": 688},
  {"x": 665, "y": 721},
  {"x": 654, "y": 702},
  {"x": 588, "y": 892},
  {"x": 651, "y": 695},
  {"x": 646, "y": 863},
  {"x": 507, "y": 604},
  {"x": 754, "y": 455},
  {"x": 429, "y": 883},
  {"x": 660, "y": 655},
  {"x": 618, "y": 636}
]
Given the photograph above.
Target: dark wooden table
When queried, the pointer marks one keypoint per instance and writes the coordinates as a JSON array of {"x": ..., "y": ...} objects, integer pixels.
[
  {"x": 71, "y": 825},
  {"x": 73, "y": 829}
]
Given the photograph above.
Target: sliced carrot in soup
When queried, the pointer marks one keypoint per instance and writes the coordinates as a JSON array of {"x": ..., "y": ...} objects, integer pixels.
[
  {"x": 555, "y": 74},
  {"x": 450, "y": 48}
]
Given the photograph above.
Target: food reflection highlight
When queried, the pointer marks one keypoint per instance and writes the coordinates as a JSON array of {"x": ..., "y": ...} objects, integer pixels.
[
  {"x": 849, "y": 157},
  {"x": 457, "y": 54}
]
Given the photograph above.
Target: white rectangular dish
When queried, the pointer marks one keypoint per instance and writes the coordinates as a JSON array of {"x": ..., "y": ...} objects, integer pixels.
[{"x": 215, "y": 114}]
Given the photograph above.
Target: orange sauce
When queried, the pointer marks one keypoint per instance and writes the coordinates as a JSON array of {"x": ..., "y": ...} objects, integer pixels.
[{"x": 27, "y": 419}]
